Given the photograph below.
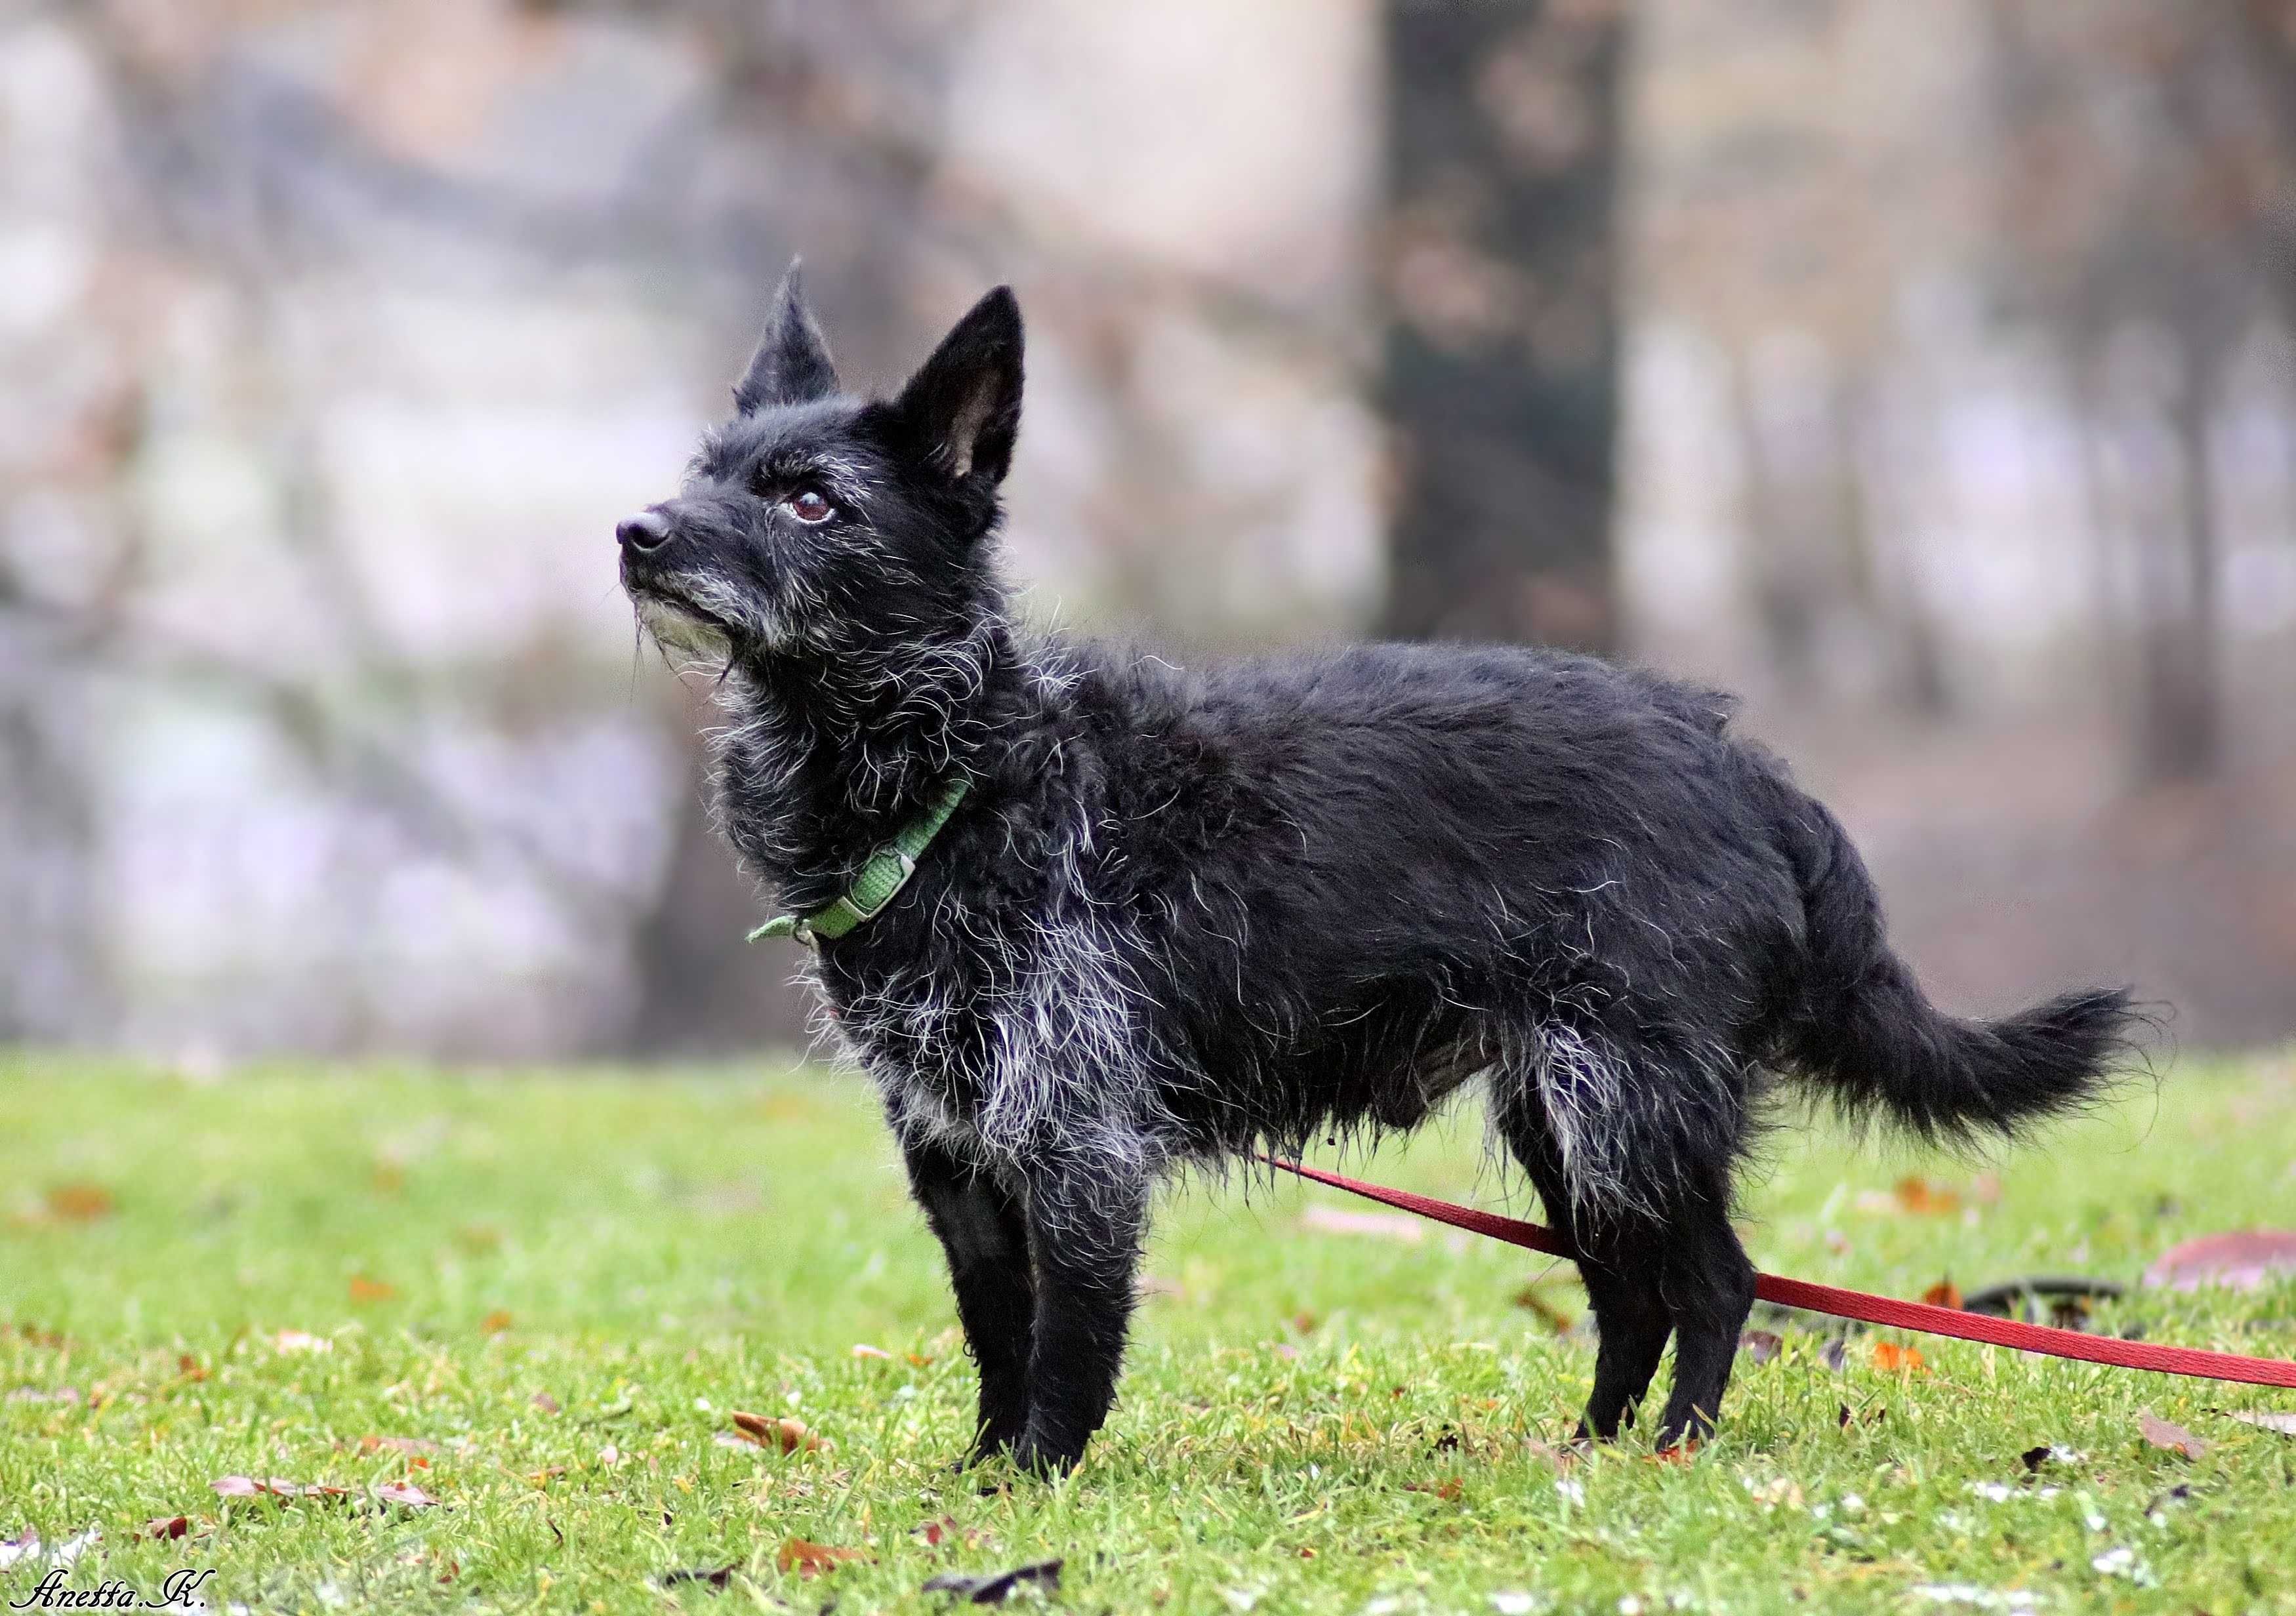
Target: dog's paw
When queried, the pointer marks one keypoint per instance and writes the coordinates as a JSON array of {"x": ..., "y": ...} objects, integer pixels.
[{"x": 1047, "y": 1461}]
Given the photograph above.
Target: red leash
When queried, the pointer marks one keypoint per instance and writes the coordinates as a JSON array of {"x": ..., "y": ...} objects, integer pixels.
[{"x": 1856, "y": 1304}]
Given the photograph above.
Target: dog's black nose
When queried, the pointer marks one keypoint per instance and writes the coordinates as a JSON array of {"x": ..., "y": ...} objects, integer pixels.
[{"x": 645, "y": 532}]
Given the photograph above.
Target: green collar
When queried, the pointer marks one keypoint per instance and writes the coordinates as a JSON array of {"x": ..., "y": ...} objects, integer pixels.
[{"x": 887, "y": 870}]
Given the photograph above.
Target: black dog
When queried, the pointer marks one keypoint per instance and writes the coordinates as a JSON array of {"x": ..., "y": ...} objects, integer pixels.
[{"x": 1177, "y": 917}]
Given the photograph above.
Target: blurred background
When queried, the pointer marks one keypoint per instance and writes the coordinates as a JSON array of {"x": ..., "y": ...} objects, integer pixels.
[{"x": 1921, "y": 371}]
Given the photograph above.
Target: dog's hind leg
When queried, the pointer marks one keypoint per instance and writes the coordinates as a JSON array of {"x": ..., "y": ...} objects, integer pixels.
[
  {"x": 1709, "y": 1289},
  {"x": 1619, "y": 1263},
  {"x": 985, "y": 1235}
]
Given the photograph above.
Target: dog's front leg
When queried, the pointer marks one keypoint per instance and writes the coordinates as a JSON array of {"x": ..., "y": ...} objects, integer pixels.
[
  {"x": 1084, "y": 1228},
  {"x": 986, "y": 1238}
]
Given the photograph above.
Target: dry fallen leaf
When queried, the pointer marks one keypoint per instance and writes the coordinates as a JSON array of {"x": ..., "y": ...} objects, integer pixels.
[
  {"x": 80, "y": 1203},
  {"x": 2266, "y": 1419},
  {"x": 1891, "y": 1358},
  {"x": 397, "y": 1444},
  {"x": 1924, "y": 1199},
  {"x": 2242, "y": 1260},
  {"x": 1450, "y": 1489},
  {"x": 365, "y": 1289},
  {"x": 812, "y": 1559},
  {"x": 496, "y": 1322},
  {"x": 404, "y": 1494},
  {"x": 1386, "y": 1226},
  {"x": 1944, "y": 1293},
  {"x": 543, "y": 1401},
  {"x": 1760, "y": 1346},
  {"x": 2169, "y": 1436},
  {"x": 165, "y": 1527},
  {"x": 1533, "y": 1298},
  {"x": 257, "y": 1486},
  {"x": 787, "y": 1434}
]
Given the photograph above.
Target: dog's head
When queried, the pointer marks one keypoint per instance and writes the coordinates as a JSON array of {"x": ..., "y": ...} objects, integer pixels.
[{"x": 815, "y": 522}]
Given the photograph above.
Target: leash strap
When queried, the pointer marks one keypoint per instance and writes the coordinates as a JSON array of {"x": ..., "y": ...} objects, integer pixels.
[{"x": 1923, "y": 1316}]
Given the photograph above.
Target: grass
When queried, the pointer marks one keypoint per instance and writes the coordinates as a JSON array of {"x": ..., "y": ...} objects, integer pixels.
[{"x": 1313, "y": 1421}]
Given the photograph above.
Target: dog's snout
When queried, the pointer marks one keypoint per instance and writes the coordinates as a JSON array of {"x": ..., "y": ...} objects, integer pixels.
[{"x": 644, "y": 533}]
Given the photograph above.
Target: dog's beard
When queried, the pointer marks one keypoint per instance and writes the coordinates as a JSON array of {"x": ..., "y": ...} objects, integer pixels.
[{"x": 679, "y": 630}]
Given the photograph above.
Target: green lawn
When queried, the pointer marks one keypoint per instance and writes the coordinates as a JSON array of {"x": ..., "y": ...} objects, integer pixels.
[{"x": 558, "y": 1288}]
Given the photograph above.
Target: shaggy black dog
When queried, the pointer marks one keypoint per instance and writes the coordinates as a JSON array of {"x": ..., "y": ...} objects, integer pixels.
[{"x": 1178, "y": 916}]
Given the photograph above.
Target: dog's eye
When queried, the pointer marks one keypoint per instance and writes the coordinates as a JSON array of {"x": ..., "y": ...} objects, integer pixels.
[{"x": 809, "y": 505}]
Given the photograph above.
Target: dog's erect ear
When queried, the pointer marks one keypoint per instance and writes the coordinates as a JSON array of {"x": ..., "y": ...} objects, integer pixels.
[
  {"x": 962, "y": 410},
  {"x": 792, "y": 365}
]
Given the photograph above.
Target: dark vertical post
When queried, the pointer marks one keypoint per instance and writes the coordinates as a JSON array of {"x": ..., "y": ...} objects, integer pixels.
[{"x": 1500, "y": 381}]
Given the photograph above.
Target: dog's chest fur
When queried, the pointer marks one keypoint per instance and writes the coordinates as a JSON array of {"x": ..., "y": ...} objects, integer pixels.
[{"x": 999, "y": 1003}]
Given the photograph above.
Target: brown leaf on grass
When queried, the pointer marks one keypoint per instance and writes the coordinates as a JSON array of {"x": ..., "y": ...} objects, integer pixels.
[
  {"x": 1450, "y": 1489},
  {"x": 190, "y": 1368},
  {"x": 396, "y": 1444},
  {"x": 1384, "y": 1226},
  {"x": 921, "y": 1361},
  {"x": 1533, "y": 1298},
  {"x": 2264, "y": 1419},
  {"x": 1760, "y": 1346},
  {"x": 365, "y": 1288},
  {"x": 496, "y": 1322},
  {"x": 786, "y": 1434},
  {"x": 2241, "y": 1261},
  {"x": 165, "y": 1527},
  {"x": 1891, "y": 1358},
  {"x": 543, "y": 1401},
  {"x": 1944, "y": 1293},
  {"x": 2169, "y": 1436},
  {"x": 79, "y": 1202},
  {"x": 274, "y": 1487},
  {"x": 813, "y": 1559},
  {"x": 1924, "y": 1199},
  {"x": 1305, "y": 1322},
  {"x": 406, "y": 1495}
]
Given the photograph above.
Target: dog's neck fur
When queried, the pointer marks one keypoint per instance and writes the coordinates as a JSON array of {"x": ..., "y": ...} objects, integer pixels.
[{"x": 826, "y": 754}]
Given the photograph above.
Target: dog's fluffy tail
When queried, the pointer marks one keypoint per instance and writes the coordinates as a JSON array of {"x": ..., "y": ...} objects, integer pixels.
[{"x": 1862, "y": 1026}]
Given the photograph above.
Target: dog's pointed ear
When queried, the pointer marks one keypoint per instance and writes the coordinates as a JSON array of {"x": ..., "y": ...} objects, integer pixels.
[
  {"x": 792, "y": 365},
  {"x": 962, "y": 410}
]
